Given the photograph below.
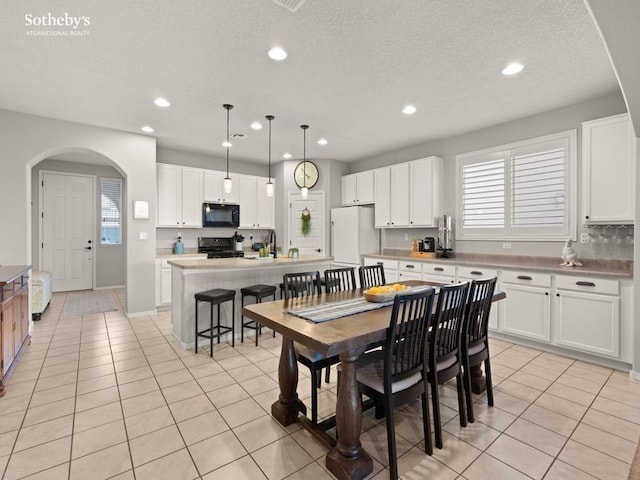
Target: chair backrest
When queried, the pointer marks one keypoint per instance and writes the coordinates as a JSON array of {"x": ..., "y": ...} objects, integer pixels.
[
  {"x": 478, "y": 308},
  {"x": 371, "y": 276},
  {"x": 407, "y": 335},
  {"x": 339, "y": 279},
  {"x": 301, "y": 284},
  {"x": 447, "y": 322}
]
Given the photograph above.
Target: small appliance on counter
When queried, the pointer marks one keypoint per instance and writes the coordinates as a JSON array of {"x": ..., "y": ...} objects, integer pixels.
[
  {"x": 238, "y": 239},
  {"x": 445, "y": 238},
  {"x": 178, "y": 246}
]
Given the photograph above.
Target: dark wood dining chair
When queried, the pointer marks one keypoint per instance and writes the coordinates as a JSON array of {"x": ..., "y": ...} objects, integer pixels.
[
  {"x": 305, "y": 285},
  {"x": 475, "y": 337},
  {"x": 397, "y": 374},
  {"x": 371, "y": 276},
  {"x": 339, "y": 279},
  {"x": 444, "y": 357}
]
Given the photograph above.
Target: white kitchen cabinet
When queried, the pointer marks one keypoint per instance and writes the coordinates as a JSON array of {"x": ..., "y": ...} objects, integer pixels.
[
  {"x": 358, "y": 188},
  {"x": 438, "y": 272},
  {"x": 179, "y": 196},
  {"x": 466, "y": 274},
  {"x": 526, "y": 312},
  {"x": 409, "y": 270},
  {"x": 608, "y": 170},
  {"x": 425, "y": 192},
  {"x": 382, "y": 192},
  {"x": 587, "y": 314},
  {"x": 390, "y": 267},
  {"x": 213, "y": 188},
  {"x": 257, "y": 211},
  {"x": 163, "y": 278},
  {"x": 408, "y": 194}
]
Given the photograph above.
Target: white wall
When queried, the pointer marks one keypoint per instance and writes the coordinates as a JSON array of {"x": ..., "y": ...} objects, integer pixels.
[
  {"x": 25, "y": 140},
  {"x": 553, "y": 121}
]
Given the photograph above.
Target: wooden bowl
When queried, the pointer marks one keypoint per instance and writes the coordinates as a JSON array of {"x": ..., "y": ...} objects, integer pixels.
[{"x": 379, "y": 297}]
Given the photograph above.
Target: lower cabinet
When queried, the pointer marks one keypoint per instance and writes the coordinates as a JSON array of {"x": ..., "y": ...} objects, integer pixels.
[
  {"x": 409, "y": 271},
  {"x": 466, "y": 274},
  {"x": 587, "y": 315},
  {"x": 163, "y": 279},
  {"x": 390, "y": 268},
  {"x": 439, "y": 273},
  {"x": 526, "y": 312},
  {"x": 14, "y": 316}
]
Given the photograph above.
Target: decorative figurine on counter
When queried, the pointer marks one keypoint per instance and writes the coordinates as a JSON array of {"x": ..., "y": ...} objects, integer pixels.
[
  {"x": 569, "y": 255},
  {"x": 178, "y": 247}
]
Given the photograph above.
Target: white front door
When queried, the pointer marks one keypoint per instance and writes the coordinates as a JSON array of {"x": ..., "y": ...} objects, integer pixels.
[
  {"x": 313, "y": 242},
  {"x": 67, "y": 230}
]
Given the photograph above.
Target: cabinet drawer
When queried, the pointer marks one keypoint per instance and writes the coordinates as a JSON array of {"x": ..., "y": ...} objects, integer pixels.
[
  {"x": 410, "y": 267},
  {"x": 439, "y": 269},
  {"x": 476, "y": 272},
  {"x": 386, "y": 263},
  {"x": 588, "y": 284},
  {"x": 526, "y": 278}
]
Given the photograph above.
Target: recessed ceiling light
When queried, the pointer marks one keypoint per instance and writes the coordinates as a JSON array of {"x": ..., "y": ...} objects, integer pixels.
[
  {"x": 322, "y": 141},
  {"x": 286, "y": 156},
  {"x": 146, "y": 129},
  {"x": 162, "y": 102},
  {"x": 277, "y": 53},
  {"x": 256, "y": 125},
  {"x": 409, "y": 110},
  {"x": 227, "y": 144},
  {"x": 512, "y": 69}
]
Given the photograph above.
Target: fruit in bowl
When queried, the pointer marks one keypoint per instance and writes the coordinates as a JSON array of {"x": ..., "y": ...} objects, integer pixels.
[{"x": 383, "y": 293}]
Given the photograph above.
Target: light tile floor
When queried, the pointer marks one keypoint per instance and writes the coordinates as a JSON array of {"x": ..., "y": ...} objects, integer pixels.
[{"x": 102, "y": 396}]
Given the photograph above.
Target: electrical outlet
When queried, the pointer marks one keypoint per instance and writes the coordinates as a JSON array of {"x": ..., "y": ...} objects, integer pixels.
[
  {"x": 584, "y": 238},
  {"x": 506, "y": 245}
]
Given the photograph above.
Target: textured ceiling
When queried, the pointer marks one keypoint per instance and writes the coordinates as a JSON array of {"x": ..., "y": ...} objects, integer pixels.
[{"x": 352, "y": 66}]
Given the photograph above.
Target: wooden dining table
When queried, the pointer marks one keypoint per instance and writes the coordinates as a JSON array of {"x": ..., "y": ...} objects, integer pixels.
[{"x": 348, "y": 337}]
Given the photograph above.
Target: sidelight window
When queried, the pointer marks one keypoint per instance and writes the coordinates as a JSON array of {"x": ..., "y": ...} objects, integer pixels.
[{"x": 110, "y": 210}]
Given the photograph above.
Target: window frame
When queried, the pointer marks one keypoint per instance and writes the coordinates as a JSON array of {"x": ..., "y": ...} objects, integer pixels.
[
  {"x": 522, "y": 233},
  {"x": 120, "y": 203}
]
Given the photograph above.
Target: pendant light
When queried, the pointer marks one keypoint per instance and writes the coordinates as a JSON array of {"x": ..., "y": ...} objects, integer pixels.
[
  {"x": 304, "y": 191},
  {"x": 270, "y": 183},
  {"x": 227, "y": 184}
]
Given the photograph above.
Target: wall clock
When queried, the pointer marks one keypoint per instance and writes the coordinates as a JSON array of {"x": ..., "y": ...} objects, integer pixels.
[{"x": 310, "y": 170}]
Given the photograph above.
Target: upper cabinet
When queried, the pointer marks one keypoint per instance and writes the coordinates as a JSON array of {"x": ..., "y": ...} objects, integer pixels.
[
  {"x": 213, "y": 191},
  {"x": 357, "y": 188},
  {"x": 409, "y": 194},
  {"x": 257, "y": 210},
  {"x": 608, "y": 170},
  {"x": 179, "y": 196}
]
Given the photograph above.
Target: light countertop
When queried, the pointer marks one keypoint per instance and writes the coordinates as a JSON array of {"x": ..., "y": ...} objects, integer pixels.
[
  {"x": 244, "y": 263},
  {"x": 603, "y": 268}
]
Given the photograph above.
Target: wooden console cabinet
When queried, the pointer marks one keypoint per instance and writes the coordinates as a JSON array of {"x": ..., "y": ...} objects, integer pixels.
[{"x": 14, "y": 317}]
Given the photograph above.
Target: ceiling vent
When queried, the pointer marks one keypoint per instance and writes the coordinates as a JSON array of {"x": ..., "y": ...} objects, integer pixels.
[{"x": 291, "y": 5}]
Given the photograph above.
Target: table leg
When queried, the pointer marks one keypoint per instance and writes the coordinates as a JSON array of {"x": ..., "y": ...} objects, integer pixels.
[
  {"x": 478, "y": 382},
  {"x": 285, "y": 409},
  {"x": 348, "y": 460}
]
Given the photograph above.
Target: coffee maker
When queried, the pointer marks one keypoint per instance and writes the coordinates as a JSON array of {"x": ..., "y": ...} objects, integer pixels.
[{"x": 445, "y": 237}]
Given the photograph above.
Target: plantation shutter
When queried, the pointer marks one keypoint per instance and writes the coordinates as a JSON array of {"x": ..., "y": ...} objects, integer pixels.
[{"x": 483, "y": 194}]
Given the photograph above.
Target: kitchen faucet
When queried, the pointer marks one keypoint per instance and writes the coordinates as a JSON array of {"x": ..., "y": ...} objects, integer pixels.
[{"x": 272, "y": 241}]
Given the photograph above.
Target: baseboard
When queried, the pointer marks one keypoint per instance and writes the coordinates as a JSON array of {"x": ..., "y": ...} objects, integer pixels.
[
  {"x": 115, "y": 287},
  {"x": 634, "y": 375},
  {"x": 139, "y": 314}
]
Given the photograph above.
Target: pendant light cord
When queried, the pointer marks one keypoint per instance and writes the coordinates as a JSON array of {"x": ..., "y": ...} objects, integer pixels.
[
  {"x": 227, "y": 107},
  {"x": 304, "y": 153}
]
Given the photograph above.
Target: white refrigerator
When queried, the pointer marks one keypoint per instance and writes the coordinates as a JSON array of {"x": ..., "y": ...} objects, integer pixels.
[{"x": 352, "y": 235}]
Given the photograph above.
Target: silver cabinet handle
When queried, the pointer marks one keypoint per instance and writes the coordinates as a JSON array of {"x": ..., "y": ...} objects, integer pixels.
[
  {"x": 476, "y": 272},
  {"x": 410, "y": 266},
  {"x": 585, "y": 284},
  {"x": 524, "y": 277},
  {"x": 438, "y": 269}
]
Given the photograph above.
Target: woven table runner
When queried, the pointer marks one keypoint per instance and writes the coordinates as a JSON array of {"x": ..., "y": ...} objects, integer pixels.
[{"x": 331, "y": 311}]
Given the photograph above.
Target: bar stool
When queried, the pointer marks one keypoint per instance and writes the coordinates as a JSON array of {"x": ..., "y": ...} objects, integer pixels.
[
  {"x": 216, "y": 296},
  {"x": 258, "y": 291}
]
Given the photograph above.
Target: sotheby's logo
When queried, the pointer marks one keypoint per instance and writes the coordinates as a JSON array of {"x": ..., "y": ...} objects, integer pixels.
[{"x": 51, "y": 25}]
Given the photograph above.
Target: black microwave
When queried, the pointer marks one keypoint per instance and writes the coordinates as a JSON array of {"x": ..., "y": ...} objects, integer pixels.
[{"x": 220, "y": 215}]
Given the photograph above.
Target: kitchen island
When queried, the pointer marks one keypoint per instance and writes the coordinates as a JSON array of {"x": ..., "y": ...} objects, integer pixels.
[{"x": 189, "y": 277}]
